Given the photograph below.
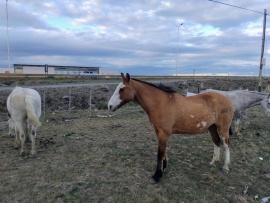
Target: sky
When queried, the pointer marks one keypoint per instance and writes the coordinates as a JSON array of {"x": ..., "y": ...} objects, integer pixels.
[{"x": 138, "y": 37}]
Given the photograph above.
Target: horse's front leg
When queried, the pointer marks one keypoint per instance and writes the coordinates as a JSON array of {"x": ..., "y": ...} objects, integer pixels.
[
  {"x": 237, "y": 126},
  {"x": 161, "y": 157}
]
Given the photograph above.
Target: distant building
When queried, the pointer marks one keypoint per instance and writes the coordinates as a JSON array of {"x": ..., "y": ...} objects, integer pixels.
[
  {"x": 52, "y": 69},
  {"x": 7, "y": 70}
]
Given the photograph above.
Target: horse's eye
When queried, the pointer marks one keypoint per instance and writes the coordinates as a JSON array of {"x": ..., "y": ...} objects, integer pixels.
[{"x": 121, "y": 90}]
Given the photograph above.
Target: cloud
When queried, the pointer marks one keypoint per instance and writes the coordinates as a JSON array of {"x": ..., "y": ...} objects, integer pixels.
[{"x": 139, "y": 37}]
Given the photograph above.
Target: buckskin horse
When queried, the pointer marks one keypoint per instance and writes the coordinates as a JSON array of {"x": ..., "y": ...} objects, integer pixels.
[{"x": 172, "y": 113}]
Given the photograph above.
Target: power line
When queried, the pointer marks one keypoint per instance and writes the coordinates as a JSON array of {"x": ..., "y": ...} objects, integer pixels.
[
  {"x": 263, "y": 39},
  {"x": 238, "y": 7}
]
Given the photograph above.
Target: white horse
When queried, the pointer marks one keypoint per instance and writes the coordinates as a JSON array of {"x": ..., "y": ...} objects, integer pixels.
[
  {"x": 11, "y": 126},
  {"x": 242, "y": 100},
  {"x": 24, "y": 107}
]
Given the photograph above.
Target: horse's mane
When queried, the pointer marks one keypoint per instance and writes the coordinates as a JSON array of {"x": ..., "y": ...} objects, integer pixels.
[{"x": 160, "y": 86}]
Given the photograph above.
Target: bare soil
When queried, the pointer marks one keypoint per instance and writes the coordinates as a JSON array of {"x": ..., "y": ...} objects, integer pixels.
[{"x": 109, "y": 157}]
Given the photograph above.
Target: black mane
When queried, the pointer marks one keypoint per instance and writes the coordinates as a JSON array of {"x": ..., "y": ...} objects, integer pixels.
[{"x": 160, "y": 86}]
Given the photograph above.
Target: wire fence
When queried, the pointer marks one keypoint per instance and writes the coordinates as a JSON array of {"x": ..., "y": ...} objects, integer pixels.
[{"x": 68, "y": 99}]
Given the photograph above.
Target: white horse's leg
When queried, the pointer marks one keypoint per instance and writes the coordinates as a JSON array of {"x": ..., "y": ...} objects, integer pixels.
[
  {"x": 246, "y": 121},
  {"x": 227, "y": 156},
  {"x": 32, "y": 135},
  {"x": 237, "y": 129},
  {"x": 22, "y": 138},
  {"x": 20, "y": 127},
  {"x": 216, "y": 155},
  {"x": 17, "y": 139}
]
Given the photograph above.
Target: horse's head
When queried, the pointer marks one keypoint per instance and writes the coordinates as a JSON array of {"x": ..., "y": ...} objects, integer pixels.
[{"x": 123, "y": 94}]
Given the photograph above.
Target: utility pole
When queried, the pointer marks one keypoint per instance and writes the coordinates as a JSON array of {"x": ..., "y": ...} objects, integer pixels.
[
  {"x": 262, "y": 59},
  {"x": 262, "y": 62}
]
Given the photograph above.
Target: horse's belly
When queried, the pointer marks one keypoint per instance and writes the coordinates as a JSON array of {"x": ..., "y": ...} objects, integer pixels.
[{"x": 191, "y": 128}]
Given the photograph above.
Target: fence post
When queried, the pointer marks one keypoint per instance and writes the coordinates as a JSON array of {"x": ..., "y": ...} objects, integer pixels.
[
  {"x": 69, "y": 99},
  {"x": 90, "y": 102},
  {"x": 44, "y": 102}
]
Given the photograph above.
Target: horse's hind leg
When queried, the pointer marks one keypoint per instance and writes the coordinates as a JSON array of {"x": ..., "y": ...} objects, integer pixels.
[
  {"x": 21, "y": 134},
  {"x": 216, "y": 139},
  {"x": 226, "y": 142},
  {"x": 32, "y": 135},
  {"x": 227, "y": 153},
  {"x": 17, "y": 139}
]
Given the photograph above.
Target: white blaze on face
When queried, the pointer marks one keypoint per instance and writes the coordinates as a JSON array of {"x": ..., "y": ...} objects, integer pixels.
[{"x": 115, "y": 100}]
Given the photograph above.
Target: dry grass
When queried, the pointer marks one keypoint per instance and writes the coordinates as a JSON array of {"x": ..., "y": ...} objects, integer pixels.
[{"x": 110, "y": 159}]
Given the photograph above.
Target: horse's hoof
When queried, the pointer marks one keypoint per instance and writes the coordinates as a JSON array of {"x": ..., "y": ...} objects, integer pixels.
[
  {"x": 153, "y": 180},
  {"x": 213, "y": 163},
  {"x": 33, "y": 154},
  {"x": 22, "y": 153},
  {"x": 225, "y": 170}
]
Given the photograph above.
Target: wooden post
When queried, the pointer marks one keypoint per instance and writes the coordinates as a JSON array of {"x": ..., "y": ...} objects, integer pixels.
[
  {"x": 69, "y": 99},
  {"x": 44, "y": 103}
]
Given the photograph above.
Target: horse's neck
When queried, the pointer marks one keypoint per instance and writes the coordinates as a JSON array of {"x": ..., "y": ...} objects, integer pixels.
[
  {"x": 255, "y": 98},
  {"x": 147, "y": 96}
]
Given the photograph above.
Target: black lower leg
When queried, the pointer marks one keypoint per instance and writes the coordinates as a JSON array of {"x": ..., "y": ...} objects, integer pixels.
[
  {"x": 158, "y": 174},
  {"x": 230, "y": 131},
  {"x": 164, "y": 164}
]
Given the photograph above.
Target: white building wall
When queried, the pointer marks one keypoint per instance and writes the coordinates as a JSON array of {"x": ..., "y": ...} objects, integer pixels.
[
  {"x": 107, "y": 72},
  {"x": 37, "y": 70},
  {"x": 6, "y": 70}
]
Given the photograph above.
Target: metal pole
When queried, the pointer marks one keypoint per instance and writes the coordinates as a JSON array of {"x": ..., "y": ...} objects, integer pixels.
[
  {"x": 177, "y": 49},
  {"x": 262, "y": 52},
  {"x": 7, "y": 34}
]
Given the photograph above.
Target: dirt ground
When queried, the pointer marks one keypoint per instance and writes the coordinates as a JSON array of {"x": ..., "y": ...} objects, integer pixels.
[{"x": 105, "y": 157}]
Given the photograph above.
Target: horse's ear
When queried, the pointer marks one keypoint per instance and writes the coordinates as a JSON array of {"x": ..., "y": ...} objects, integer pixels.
[
  {"x": 123, "y": 76},
  {"x": 127, "y": 77}
]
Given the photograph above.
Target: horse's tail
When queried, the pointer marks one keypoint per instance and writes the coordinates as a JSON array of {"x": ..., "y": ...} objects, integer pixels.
[
  {"x": 30, "y": 111},
  {"x": 266, "y": 104}
]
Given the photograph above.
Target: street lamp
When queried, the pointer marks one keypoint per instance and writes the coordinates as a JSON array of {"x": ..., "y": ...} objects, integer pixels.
[{"x": 178, "y": 26}]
